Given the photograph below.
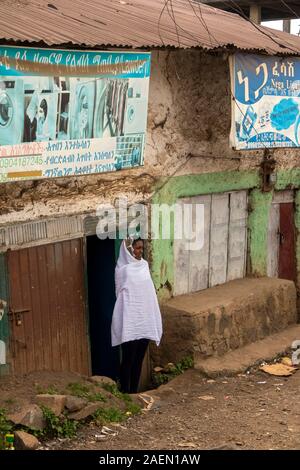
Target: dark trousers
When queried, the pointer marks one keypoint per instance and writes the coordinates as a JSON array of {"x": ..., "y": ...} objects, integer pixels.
[{"x": 133, "y": 353}]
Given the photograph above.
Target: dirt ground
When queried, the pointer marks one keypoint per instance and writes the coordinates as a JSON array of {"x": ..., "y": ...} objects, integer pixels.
[
  {"x": 16, "y": 392},
  {"x": 248, "y": 411}
]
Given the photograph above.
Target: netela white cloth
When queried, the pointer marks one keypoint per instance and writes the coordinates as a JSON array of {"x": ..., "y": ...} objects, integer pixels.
[{"x": 136, "y": 314}]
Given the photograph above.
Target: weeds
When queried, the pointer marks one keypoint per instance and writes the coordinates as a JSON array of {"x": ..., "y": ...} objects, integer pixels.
[
  {"x": 51, "y": 390},
  {"x": 5, "y": 427},
  {"x": 58, "y": 426},
  {"x": 83, "y": 391},
  {"x": 109, "y": 415},
  {"x": 112, "y": 388},
  {"x": 173, "y": 371},
  {"x": 131, "y": 407}
]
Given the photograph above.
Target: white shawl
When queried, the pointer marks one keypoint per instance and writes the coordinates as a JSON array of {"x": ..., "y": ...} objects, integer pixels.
[{"x": 136, "y": 314}]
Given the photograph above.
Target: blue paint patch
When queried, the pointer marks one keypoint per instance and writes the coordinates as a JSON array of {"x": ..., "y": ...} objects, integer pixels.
[{"x": 284, "y": 114}]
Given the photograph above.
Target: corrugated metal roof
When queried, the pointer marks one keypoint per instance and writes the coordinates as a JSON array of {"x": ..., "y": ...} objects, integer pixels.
[{"x": 136, "y": 24}]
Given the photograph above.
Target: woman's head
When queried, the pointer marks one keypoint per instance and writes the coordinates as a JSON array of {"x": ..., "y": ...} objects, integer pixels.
[
  {"x": 138, "y": 248},
  {"x": 43, "y": 110}
]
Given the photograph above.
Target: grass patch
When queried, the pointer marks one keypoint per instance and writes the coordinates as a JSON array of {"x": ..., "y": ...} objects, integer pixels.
[
  {"x": 51, "y": 390},
  {"x": 131, "y": 407},
  {"x": 160, "y": 378},
  {"x": 109, "y": 415},
  {"x": 112, "y": 388},
  {"x": 83, "y": 391}
]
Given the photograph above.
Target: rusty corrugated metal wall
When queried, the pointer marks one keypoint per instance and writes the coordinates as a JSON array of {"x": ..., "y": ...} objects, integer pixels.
[{"x": 47, "y": 311}]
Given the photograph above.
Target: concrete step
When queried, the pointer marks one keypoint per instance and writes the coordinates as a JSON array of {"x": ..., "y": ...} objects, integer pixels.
[{"x": 239, "y": 360}]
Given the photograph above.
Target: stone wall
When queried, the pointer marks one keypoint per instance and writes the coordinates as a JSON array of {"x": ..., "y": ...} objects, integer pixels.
[{"x": 224, "y": 318}]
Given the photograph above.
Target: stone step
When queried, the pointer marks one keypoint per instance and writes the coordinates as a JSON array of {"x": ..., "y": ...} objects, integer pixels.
[{"x": 239, "y": 360}]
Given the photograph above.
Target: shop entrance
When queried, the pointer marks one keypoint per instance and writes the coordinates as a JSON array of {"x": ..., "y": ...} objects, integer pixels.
[{"x": 101, "y": 260}]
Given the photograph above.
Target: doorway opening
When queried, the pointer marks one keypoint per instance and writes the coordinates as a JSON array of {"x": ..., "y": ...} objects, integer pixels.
[{"x": 101, "y": 260}]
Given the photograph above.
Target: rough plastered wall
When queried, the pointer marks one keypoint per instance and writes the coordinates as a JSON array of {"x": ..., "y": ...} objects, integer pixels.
[{"x": 189, "y": 114}]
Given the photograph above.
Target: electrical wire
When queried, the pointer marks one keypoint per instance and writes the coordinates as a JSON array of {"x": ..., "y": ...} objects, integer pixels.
[
  {"x": 200, "y": 17},
  {"x": 173, "y": 19},
  {"x": 231, "y": 92},
  {"x": 204, "y": 24},
  {"x": 189, "y": 156},
  {"x": 159, "y": 20},
  {"x": 239, "y": 10},
  {"x": 173, "y": 16},
  {"x": 290, "y": 9}
]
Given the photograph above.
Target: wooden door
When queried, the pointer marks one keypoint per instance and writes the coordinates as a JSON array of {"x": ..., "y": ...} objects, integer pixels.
[
  {"x": 219, "y": 232},
  {"x": 223, "y": 255},
  {"x": 47, "y": 310}
]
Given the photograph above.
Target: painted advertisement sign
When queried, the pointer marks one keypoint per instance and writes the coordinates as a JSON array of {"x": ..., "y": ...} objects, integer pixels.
[
  {"x": 266, "y": 102},
  {"x": 67, "y": 113}
]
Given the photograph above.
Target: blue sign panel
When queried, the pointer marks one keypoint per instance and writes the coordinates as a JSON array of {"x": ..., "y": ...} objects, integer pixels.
[{"x": 266, "y": 102}]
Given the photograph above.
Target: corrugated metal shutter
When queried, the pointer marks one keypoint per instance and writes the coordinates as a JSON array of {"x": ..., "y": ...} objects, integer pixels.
[
  {"x": 47, "y": 287},
  {"x": 45, "y": 231}
]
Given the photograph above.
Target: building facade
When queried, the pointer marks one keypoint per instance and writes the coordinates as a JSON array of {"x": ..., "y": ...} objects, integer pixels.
[{"x": 57, "y": 276}]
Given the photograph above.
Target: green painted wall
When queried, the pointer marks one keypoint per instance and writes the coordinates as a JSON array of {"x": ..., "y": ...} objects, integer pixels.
[
  {"x": 288, "y": 179},
  {"x": 259, "y": 206},
  {"x": 187, "y": 186},
  {"x": 4, "y": 324},
  {"x": 207, "y": 183},
  {"x": 297, "y": 225},
  {"x": 168, "y": 191}
]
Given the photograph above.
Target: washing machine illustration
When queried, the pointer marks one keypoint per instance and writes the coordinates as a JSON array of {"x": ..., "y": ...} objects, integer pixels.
[
  {"x": 11, "y": 110},
  {"x": 47, "y": 117},
  {"x": 82, "y": 108},
  {"x": 40, "y": 116},
  {"x": 100, "y": 118},
  {"x": 136, "y": 109}
]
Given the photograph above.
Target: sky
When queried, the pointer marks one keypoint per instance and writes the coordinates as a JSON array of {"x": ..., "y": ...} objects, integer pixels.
[{"x": 278, "y": 25}]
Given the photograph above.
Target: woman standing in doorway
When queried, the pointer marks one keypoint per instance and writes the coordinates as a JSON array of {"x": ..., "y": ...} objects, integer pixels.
[{"x": 136, "y": 318}]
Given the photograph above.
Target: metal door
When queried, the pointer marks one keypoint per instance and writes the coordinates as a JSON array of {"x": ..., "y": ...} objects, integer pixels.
[
  {"x": 46, "y": 309},
  {"x": 287, "y": 262}
]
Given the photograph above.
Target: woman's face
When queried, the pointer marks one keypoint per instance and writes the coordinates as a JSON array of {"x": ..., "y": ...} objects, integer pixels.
[{"x": 138, "y": 249}]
